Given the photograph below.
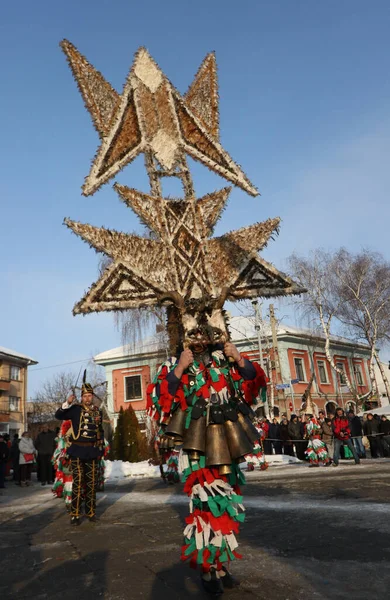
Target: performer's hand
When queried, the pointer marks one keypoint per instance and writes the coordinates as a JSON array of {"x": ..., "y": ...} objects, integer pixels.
[
  {"x": 231, "y": 351},
  {"x": 186, "y": 359},
  {"x": 70, "y": 399}
]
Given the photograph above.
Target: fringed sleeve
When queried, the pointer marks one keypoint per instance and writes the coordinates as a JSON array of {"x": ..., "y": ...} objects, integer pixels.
[{"x": 165, "y": 393}]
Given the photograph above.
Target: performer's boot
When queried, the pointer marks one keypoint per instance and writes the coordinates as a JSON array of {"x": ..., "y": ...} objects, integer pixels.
[
  {"x": 212, "y": 584},
  {"x": 75, "y": 521},
  {"x": 228, "y": 581},
  {"x": 93, "y": 519}
]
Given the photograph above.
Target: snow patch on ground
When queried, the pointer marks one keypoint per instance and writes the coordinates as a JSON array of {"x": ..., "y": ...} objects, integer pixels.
[{"x": 117, "y": 469}]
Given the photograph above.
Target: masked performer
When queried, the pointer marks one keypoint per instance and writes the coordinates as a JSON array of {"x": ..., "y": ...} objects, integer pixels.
[
  {"x": 62, "y": 487},
  {"x": 86, "y": 448},
  {"x": 202, "y": 398},
  {"x": 316, "y": 450},
  {"x": 257, "y": 457},
  {"x": 202, "y": 395}
]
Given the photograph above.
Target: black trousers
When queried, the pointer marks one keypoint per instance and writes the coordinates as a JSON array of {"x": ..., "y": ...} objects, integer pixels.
[
  {"x": 84, "y": 474},
  {"x": 45, "y": 468},
  {"x": 25, "y": 472}
]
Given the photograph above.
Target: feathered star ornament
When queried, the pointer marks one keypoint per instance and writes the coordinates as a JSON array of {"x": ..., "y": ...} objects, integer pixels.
[{"x": 185, "y": 262}]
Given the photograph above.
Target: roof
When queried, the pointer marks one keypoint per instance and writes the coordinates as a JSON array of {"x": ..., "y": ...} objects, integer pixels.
[
  {"x": 18, "y": 355},
  {"x": 241, "y": 328},
  {"x": 244, "y": 328},
  {"x": 147, "y": 346}
]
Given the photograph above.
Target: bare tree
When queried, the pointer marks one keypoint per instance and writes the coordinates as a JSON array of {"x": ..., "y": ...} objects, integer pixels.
[
  {"x": 56, "y": 390},
  {"x": 363, "y": 285},
  {"x": 322, "y": 303}
]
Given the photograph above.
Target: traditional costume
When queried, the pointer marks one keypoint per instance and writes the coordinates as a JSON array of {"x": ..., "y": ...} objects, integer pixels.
[
  {"x": 316, "y": 450},
  {"x": 205, "y": 406},
  {"x": 85, "y": 450},
  {"x": 62, "y": 487},
  {"x": 257, "y": 457}
]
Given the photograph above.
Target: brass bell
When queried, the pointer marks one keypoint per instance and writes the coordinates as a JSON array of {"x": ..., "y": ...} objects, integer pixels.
[
  {"x": 225, "y": 469},
  {"x": 194, "y": 455},
  {"x": 239, "y": 443},
  {"x": 176, "y": 427},
  {"x": 249, "y": 428},
  {"x": 195, "y": 436},
  {"x": 217, "y": 449},
  {"x": 170, "y": 442}
]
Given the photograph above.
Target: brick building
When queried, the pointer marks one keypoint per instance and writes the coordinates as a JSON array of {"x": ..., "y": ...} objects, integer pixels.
[
  {"x": 13, "y": 390},
  {"x": 300, "y": 352}
]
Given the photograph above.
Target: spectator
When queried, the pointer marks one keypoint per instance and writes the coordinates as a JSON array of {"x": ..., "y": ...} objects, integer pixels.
[
  {"x": 384, "y": 428},
  {"x": 327, "y": 436},
  {"x": 267, "y": 444},
  {"x": 287, "y": 443},
  {"x": 371, "y": 430},
  {"x": 321, "y": 417},
  {"x": 274, "y": 436},
  {"x": 45, "y": 444},
  {"x": 342, "y": 435},
  {"x": 8, "y": 465},
  {"x": 4, "y": 455},
  {"x": 356, "y": 428},
  {"x": 294, "y": 432},
  {"x": 302, "y": 425},
  {"x": 14, "y": 452},
  {"x": 26, "y": 458}
]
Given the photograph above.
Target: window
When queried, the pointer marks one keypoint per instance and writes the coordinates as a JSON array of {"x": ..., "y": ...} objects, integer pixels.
[
  {"x": 342, "y": 379},
  {"x": 133, "y": 389},
  {"x": 300, "y": 373},
  {"x": 322, "y": 371},
  {"x": 14, "y": 403},
  {"x": 15, "y": 373},
  {"x": 358, "y": 375}
]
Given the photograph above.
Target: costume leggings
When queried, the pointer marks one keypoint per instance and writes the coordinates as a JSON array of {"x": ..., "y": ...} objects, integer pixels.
[{"x": 84, "y": 483}]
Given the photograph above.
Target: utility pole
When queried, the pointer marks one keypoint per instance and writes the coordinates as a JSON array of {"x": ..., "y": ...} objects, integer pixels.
[
  {"x": 283, "y": 407},
  {"x": 258, "y": 321}
]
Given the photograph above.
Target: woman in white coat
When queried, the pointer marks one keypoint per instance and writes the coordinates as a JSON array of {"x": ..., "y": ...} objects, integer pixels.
[{"x": 26, "y": 458}]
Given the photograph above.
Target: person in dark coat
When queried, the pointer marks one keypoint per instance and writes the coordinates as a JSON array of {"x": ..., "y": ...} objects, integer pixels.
[
  {"x": 371, "y": 430},
  {"x": 45, "y": 444},
  {"x": 4, "y": 455},
  {"x": 302, "y": 426},
  {"x": 287, "y": 443},
  {"x": 294, "y": 433},
  {"x": 86, "y": 447},
  {"x": 356, "y": 428},
  {"x": 274, "y": 435},
  {"x": 384, "y": 428},
  {"x": 14, "y": 453}
]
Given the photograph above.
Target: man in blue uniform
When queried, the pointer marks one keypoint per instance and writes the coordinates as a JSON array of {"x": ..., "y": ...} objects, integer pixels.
[{"x": 87, "y": 443}]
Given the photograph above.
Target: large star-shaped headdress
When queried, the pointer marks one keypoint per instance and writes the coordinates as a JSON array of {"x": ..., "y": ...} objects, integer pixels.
[{"x": 151, "y": 117}]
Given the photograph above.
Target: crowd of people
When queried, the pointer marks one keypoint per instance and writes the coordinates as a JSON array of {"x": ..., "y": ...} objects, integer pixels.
[
  {"x": 23, "y": 453},
  {"x": 341, "y": 433}
]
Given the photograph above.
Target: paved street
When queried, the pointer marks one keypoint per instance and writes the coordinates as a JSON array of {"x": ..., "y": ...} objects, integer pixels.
[{"x": 309, "y": 533}]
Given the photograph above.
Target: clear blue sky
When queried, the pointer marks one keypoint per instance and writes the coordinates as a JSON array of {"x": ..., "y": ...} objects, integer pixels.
[{"x": 305, "y": 108}]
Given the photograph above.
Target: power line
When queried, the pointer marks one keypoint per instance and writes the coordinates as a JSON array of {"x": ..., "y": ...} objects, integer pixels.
[{"x": 60, "y": 365}]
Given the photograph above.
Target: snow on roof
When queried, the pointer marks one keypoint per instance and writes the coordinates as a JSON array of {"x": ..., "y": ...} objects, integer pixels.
[
  {"x": 149, "y": 345},
  {"x": 17, "y": 355},
  {"x": 241, "y": 328}
]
